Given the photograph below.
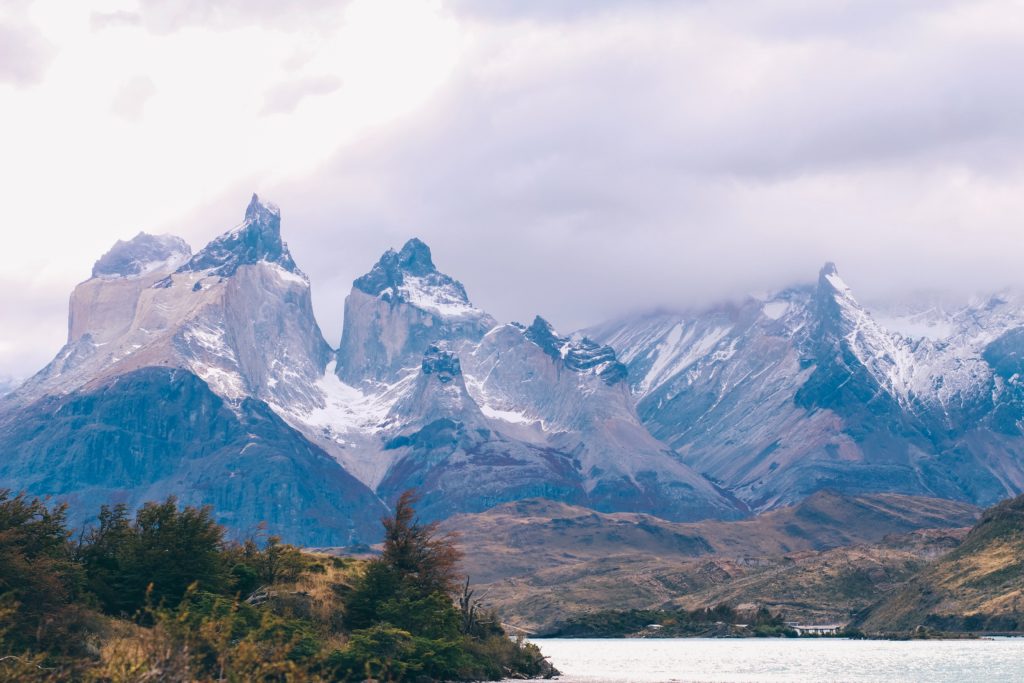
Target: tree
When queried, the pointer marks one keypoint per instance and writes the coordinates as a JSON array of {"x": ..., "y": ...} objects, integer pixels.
[
  {"x": 279, "y": 561},
  {"x": 406, "y": 624},
  {"x": 177, "y": 548},
  {"x": 411, "y": 584},
  {"x": 157, "y": 557},
  {"x": 420, "y": 555},
  {"x": 105, "y": 554},
  {"x": 38, "y": 577}
]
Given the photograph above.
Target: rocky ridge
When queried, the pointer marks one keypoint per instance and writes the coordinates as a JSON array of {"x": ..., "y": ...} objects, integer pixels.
[
  {"x": 424, "y": 391},
  {"x": 779, "y": 396},
  {"x": 704, "y": 414}
]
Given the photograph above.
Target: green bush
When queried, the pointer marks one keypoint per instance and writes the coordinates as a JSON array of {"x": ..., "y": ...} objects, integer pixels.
[
  {"x": 383, "y": 652},
  {"x": 39, "y": 579},
  {"x": 156, "y": 557}
]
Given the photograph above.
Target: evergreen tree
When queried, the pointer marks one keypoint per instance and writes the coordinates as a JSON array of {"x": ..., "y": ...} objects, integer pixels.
[{"x": 412, "y": 583}]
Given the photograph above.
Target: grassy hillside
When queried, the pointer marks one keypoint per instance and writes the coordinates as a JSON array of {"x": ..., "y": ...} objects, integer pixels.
[
  {"x": 522, "y": 538},
  {"x": 806, "y": 586},
  {"x": 979, "y": 586},
  {"x": 825, "y": 559}
]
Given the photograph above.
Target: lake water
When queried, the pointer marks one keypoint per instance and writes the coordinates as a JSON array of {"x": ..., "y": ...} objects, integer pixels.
[{"x": 786, "y": 660}]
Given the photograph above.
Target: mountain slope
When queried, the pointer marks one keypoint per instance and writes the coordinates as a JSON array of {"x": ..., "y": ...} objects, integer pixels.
[
  {"x": 979, "y": 586},
  {"x": 166, "y": 386},
  {"x": 825, "y": 558},
  {"x": 518, "y": 538},
  {"x": 154, "y": 432},
  {"x": 429, "y": 391},
  {"x": 778, "y": 397}
]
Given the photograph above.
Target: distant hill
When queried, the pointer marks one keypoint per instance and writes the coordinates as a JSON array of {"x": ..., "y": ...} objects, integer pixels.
[
  {"x": 830, "y": 586},
  {"x": 977, "y": 587},
  {"x": 825, "y": 558},
  {"x": 524, "y": 536}
]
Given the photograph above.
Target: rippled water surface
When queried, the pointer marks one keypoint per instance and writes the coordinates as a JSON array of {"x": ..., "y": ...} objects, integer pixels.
[{"x": 789, "y": 660}]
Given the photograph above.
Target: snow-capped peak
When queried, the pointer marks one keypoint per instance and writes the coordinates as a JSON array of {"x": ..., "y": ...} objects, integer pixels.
[
  {"x": 829, "y": 277},
  {"x": 409, "y": 276},
  {"x": 141, "y": 255},
  {"x": 257, "y": 239},
  {"x": 261, "y": 212},
  {"x": 843, "y": 321}
]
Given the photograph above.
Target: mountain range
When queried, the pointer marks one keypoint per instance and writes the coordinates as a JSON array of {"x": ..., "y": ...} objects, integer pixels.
[
  {"x": 776, "y": 397},
  {"x": 206, "y": 375}
]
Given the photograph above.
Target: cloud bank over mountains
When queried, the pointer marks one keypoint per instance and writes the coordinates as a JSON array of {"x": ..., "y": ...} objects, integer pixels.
[{"x": 603, "y": 156}]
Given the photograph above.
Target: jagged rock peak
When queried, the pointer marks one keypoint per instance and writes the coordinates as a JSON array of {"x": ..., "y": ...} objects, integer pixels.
[
  {"x": 829, "y": 280},
  {"x": 586, "y": 354},
  {"x": 414, "y": 258},
  {"x": 262, "y": 212},
  {"x": 444, "y": 364},
  {"x": 409, "y": 277},
  {"x": 394, "y": 267},
  {"x": 579, "y": 355},
  {"x": 541, "y": 333},
  {"x": 142, "y": 254},
  {"x": 257, "y": 239}
]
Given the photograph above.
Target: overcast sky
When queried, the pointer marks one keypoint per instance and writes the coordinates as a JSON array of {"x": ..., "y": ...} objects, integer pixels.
[{"x": 577, "y": 158}]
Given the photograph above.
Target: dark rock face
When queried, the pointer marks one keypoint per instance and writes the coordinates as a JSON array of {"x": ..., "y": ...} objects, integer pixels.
[
  {"x": 541, "y": 333},
  {"x": 458, "y": 467},
  {"x": 157, "y": 432},
  {"x": 1004, "y": 407},
  {"x": 587, "y": 354},
  {"x": 443, "y": 364},
  {"x": 258, "y": 239}
]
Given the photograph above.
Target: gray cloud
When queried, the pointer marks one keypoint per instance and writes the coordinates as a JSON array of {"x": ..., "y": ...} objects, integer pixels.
[
  {"x": 24, "y": 54},
  {"x": 583, "y": 163},
  {"x": 681, "y": 161}
]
